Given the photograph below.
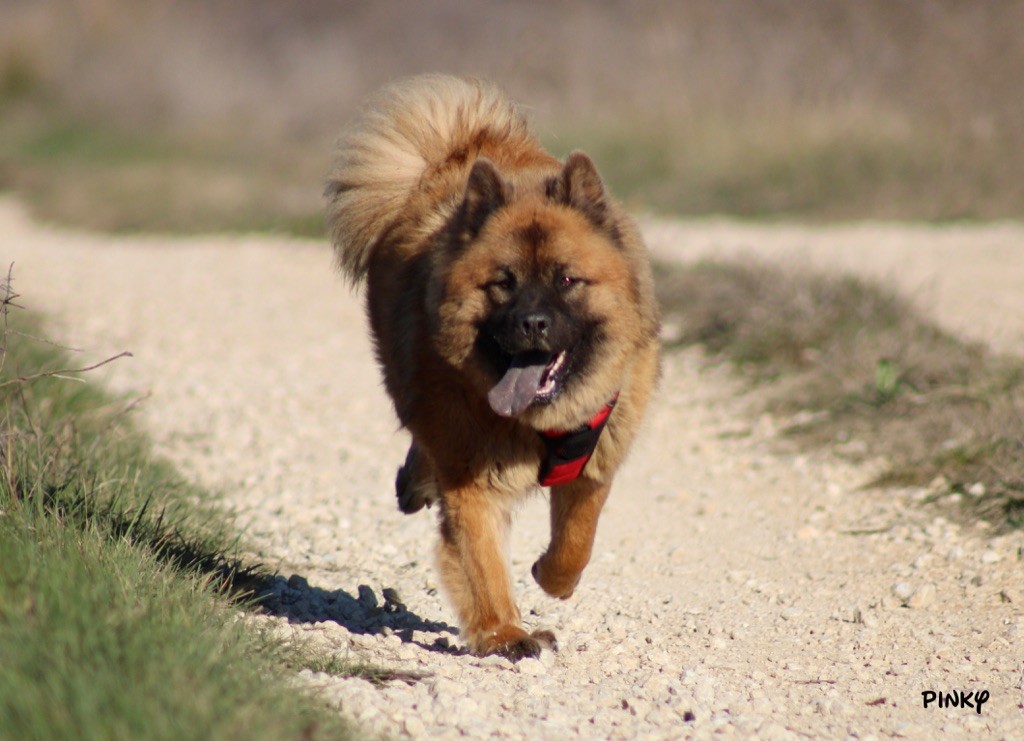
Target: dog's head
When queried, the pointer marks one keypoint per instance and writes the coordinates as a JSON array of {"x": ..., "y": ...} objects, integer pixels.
[{"x": 540, "y": 297}]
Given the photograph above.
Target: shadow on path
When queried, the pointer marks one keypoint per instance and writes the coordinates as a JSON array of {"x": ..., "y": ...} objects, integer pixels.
[{"x": 365, "y": 613}]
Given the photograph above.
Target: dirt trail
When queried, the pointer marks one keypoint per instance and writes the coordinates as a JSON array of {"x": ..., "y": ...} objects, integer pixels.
[{"x": 737, "y": 585}]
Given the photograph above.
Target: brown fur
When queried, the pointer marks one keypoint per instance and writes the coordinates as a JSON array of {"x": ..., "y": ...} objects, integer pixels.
[{"x": 439, "y": 190}]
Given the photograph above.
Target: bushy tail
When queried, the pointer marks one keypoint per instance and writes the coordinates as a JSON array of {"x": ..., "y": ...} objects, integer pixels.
[{"x": 406, "y": 133}]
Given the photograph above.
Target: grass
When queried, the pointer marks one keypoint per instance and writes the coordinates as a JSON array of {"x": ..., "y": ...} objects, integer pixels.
[
  {"x": 118, "y": 579},
  {"x": 96, "y": 175},
  {"x": 854, "y": 365},
  {"x": 99, "y": 177},
  {"x": 798, "y": 164},
  {"x": 827, "y": 110}
]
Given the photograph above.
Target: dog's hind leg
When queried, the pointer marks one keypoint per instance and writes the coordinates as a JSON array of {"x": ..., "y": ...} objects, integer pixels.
[
  {"x": 575, "y": 508},
  {"x": 415, "y": 484}
]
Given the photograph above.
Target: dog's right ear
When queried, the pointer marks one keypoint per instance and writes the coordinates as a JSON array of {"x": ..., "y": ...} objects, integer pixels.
[
  {"x": 486, "y": 192},
  {"x": 579, "y": 186}
]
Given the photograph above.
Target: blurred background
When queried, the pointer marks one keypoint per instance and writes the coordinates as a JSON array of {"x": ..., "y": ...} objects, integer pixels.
[{"x": 190, "y": 115}]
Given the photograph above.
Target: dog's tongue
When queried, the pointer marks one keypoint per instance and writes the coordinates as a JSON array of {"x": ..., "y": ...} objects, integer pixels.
[{"x": 518, "y": 387}]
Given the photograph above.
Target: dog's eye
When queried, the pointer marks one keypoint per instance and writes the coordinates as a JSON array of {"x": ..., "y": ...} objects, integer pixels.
[
  {"x": 506, "y": 281},
  {"x": 567, "y": 281}
]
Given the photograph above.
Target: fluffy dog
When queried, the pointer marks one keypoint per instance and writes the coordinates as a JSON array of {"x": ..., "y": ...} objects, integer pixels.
[{"x": 512, "y": 307}]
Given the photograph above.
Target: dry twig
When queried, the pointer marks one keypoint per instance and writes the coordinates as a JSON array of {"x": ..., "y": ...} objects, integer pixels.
[{"x": 7, "y": 300}]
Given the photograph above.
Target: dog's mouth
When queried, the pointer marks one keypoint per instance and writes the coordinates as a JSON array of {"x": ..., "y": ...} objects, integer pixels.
[{"x": 532, "y": 377}]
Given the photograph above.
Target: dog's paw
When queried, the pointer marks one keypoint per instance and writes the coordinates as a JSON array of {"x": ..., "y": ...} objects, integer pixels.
[
  {"x": 557, "y": 585},
  {"x": 412, "y": 487},
  {"x": 526, "y": 647},
  {"x": 515, "y": 643}
]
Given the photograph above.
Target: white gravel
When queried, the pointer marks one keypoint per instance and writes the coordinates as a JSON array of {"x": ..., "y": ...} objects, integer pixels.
[{"x": 738, "y": 587}]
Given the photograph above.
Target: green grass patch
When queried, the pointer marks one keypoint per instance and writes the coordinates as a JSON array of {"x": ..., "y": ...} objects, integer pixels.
[
  {"x": 853, "y": 364},
  {"x": 117, "y": 581}
]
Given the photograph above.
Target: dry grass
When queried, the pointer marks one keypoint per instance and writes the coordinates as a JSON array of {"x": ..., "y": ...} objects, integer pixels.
[
  {"x": 100, "y": 179},
  {"x": 807, "y": 108},
  {"x": 853, "y": 365}
]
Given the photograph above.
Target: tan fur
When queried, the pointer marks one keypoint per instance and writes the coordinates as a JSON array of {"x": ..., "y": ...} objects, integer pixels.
[
  {"x": 438, "y": 185},
  {"x": 407, "y": 132}
]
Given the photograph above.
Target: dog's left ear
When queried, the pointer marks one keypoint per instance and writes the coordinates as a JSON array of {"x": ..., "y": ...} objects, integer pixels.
[{"x": 580, "y": 186}]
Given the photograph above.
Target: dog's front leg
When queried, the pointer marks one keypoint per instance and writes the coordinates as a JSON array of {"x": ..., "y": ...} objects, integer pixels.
[
  {"x": 474, "y": 531},
  {"x": 575, "y": 508}
]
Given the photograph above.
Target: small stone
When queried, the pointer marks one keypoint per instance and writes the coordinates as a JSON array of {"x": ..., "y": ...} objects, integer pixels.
[
  {"x": 414, "y": 726},
  {"x": 975, "y": 725},
  {"x": 443, "y": 687},
  {"x": 366, "y": 596},
  {"x": 775, "y": 732},
  {"x": 902, "y": 591},
  {"x": 904, "y": 729},
  {"x": 762, "y": 706},
  {"x": 704, "y": 694},
  {"x": 531, "y": 667},
  {"x": 392, "y": 599},
  {"x": 495, "y": 661},
  {"x": 977, "y": 489},
  {"x": 366, "y": 713},
  {"x": 923, "y": 597},
  {"x": 990, "y": 557},
  {"x": 657, "y": 685},
  {"x": 660, "y": 717}
]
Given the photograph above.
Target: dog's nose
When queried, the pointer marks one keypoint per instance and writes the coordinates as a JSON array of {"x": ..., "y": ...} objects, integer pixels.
[{"x": 533, "y": 325}]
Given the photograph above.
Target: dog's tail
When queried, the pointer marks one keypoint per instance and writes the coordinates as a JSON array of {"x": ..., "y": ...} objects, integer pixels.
[{"x": 402, "y": 140}]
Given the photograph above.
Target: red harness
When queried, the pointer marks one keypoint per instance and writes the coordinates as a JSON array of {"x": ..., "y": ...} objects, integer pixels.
[{"x": 568, "y": 452}]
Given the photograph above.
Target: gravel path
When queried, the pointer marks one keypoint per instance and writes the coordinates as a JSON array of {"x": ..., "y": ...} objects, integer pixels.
[
  {"x": 970, "y": 277},
  {"x": 738, "y": 586}
]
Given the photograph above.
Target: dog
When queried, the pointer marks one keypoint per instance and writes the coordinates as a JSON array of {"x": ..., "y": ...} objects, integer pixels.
[{"x": 512, "y": 307}]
